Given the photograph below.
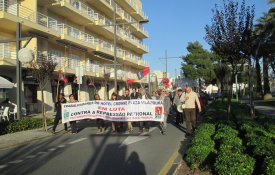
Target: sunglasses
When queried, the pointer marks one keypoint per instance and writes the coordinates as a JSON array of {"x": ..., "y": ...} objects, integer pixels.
[{"x": 163, "y": 91}]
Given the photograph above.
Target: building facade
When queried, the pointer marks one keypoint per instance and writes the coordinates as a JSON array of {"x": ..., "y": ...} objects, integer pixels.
[{"x": 74, "y": 33}]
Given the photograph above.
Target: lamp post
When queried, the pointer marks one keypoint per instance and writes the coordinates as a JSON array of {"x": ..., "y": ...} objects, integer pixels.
[
  {"x": 18, "y": 70},
  {"x": 150, "y": 81}
]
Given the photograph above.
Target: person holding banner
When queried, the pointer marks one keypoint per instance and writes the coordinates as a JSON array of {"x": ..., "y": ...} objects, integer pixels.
[
  {"x": 99, "y": 122},
  {"x": 134, "y": 94},
  {"x": 128, "y": 97},
  {"x": 143, "y": 124},
  {"x": 58, "y": 108},
  {"x": 166, "y": 104},
  {"x": 114, "y": 124},
  {"x": 73, "y": 123}
]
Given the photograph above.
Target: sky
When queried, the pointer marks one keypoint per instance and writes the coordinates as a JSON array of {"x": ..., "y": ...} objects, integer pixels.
[{"x": 174, "y": 23}]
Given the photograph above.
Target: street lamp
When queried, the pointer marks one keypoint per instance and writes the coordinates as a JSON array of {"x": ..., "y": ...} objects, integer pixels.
[{"x": 150, "y": 80}]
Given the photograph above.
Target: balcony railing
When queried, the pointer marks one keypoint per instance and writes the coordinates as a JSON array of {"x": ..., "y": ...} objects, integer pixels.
[
  {"x": 84, "y": 9},
  {"x": 7, "y": 51},
  {"x": 51, "y": 23},
  {"x": 12, "y": 7},
  {"x": 47, "y": 21}
]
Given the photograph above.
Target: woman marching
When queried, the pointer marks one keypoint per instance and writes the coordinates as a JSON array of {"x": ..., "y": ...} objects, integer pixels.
[
  {"x": 114, "y": 124},
  {"x": 99, "y": 122},
  {"x": 73, "y": 123}
]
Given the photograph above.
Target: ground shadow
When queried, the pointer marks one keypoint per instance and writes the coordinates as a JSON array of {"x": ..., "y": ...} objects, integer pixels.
[
  {"x": 33, "y": 156},
  {"x": 112, "y": 158}
]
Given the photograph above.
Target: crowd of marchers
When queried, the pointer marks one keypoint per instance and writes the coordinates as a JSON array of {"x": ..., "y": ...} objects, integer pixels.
[{"x": 186, "y": 97}]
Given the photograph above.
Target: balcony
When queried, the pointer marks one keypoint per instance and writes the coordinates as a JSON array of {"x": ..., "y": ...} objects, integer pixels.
[
  {"x": 12, "y": 7},
  {"x": 121, "y": 16},
  {"x": 7, "y": 54},
  {"x": 132, "y": 8},
  {"x": 76, "y": 11},
  {"x": 71, "y": 34}
]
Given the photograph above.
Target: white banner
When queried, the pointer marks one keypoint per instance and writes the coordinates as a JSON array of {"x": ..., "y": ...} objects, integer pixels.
[{"x": 122, "y": 110}]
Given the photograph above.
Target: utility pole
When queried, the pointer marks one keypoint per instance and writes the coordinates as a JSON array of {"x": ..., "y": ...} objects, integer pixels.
[
  {"x": 115, "y": 51},
  {"x": 166, "y": 60},
  {"x": 18, "y": 71}
]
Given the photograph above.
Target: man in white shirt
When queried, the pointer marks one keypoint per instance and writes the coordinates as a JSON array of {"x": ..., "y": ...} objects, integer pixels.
[{"x": 190, "y": 99}]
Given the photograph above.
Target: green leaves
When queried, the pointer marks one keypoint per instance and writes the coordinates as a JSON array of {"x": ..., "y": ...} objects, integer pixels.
[
  {"x": 202, "y": 146},
  {"x": 199, "y": 62}
]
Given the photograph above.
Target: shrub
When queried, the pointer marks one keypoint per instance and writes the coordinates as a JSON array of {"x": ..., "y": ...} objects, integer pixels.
[
  {"x": 269, "y": 166},
  {"x": 25, "y": 124},
  {"x": 264, "y": 146},
  {"x": 201, "y": 146},
  {"x": 267, "y": 96},
  {"x": 234, "y": 164},
  {"x": 198, "y": 153}
]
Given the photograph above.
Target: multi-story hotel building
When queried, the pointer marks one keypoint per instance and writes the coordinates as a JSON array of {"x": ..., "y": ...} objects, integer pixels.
[{"x": 74, "y": 33}]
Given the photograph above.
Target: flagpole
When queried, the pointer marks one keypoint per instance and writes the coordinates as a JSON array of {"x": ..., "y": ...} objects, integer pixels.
[{"x": 57, "y": 89}]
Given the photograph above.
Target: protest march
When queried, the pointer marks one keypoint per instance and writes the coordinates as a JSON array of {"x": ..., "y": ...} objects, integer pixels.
[{"x": 122, "y": 110}]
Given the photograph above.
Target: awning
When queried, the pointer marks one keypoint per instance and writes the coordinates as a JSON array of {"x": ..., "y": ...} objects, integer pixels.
[{"x": 5, "y": 84}]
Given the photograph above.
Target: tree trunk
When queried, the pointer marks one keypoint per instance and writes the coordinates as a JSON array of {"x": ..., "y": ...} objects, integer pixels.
[
  {"x": 43, "y": 112},
  {"x": 259, "y": 78},
  {"x": 229, "y": 97},
  {"x": 265, "y": 75}
]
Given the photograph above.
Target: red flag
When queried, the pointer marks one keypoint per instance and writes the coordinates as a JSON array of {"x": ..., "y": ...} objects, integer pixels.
[
  {"x": 165, "y": 80},
  {"x": 143, "y": 72},
  {"x": 130, "y": 81},
  {"x": 65, "y": 79}
]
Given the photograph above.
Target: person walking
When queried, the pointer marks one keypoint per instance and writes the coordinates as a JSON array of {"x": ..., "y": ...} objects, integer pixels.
[
  {"x": 114, "y": 124},
  {"x": 143, "y": 124},
  {"x": 100, "y": 123},
  {"x": 177, "y": 102},
  {"x": 134, "y": 94},
  {"x": 154, "y": 95},
  {"x": 166, "y": 104},
  {"x": 128, "y": 97},
  {"x": 58, "y": 108},
  {"x": 190, "y": 98},
  {"x": 73, "y": 123}
]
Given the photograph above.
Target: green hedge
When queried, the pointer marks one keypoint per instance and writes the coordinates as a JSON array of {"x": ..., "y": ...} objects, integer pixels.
[
  {"x": 269, "y": 166},
  {"x": 230, "y": 163},
  {"x": 227, "y": 139},
  {"x": 25, "y": 123},
  {"x": 202, "y": 146}
]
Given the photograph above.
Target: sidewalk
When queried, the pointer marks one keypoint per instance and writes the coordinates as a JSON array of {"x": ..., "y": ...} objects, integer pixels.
[
  {"x": 18, "y": 138},
  {"x": 23, "y": 137}
]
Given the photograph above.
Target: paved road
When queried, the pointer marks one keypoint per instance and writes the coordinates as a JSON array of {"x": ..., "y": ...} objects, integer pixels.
[
  {"x": 90, "y": 153},
  {"x": 265, "y": 108}
]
